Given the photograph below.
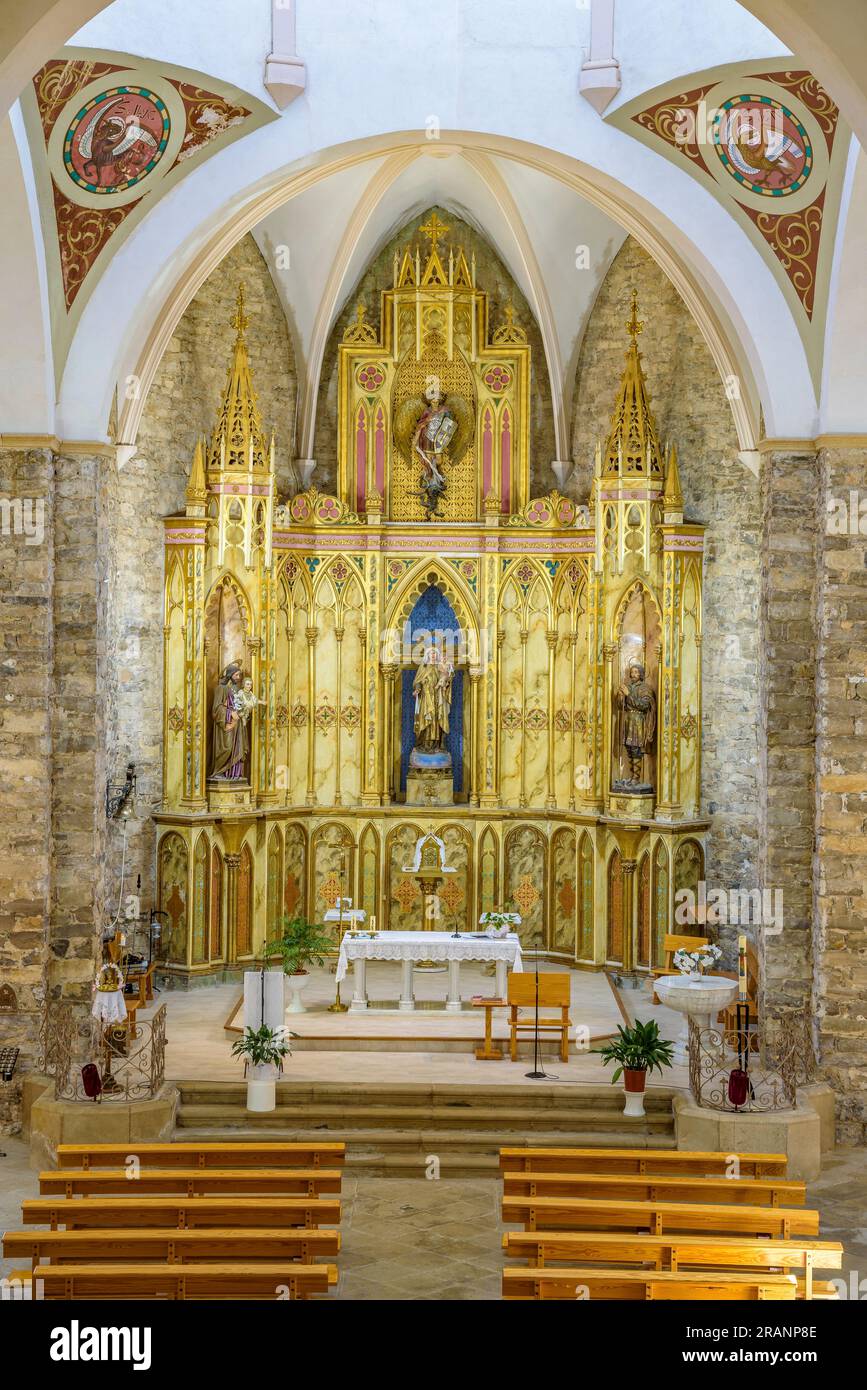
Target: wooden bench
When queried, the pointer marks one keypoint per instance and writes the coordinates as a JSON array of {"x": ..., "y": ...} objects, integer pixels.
[
  {"x": 80, "y": 1213},
  {"x": 124, "y": 1245},
  {"x": 647, "y": 1187},
  {"x": 276, "y": 1155},
  {"x": 658, "y": 1217},
  {"x": 556, "y": 1160},
  {"x": 800, "y": 1257},
  {"x": 646, "y": 1285},
  {"x": 283, "y": 1280},
  {"x": 554, "y": 992},
  {"x": 87, "y": 1182}
]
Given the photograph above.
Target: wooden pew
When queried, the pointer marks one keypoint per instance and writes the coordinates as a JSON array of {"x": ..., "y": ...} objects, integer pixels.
[
  {"x": 675, "y": 1252},
  {"x": 675, "y": 1161},
  {"x": 97, "y": 1213},
  {"x": 195, "y": 1182},
  {"x": 133, "y": 1246},
  {"x": 772, "y": 1192},
  {"x": 265, "y": 1155},
  {"x": 646, "y": 1285},
  {"x": 657, "y": 1217},
  {"x": 283, "y": 1280}
]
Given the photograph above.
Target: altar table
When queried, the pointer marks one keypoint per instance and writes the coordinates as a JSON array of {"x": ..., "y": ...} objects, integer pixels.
[{"x": 413, "y": 947}]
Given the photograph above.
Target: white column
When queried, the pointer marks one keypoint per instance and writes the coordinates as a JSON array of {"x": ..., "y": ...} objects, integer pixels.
[
  {"x": 600, "y": 72},
  {"x": 285, "y": 72},
  {"x": 453, "y": 1002},
  {"x": 406, "y": 996},
  {"x": 359, "y": 973}
]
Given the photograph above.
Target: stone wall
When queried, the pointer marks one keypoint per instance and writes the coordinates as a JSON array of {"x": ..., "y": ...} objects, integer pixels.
[
  {"x": 492, "y": 276},
  {"x": 692, "y": 412},
  {"x": 26, "y": 658},
  {"x": 182, "y": 404},
  {"x": 787, "y": 678},
  {"x": 840, "y": 860},
  {"x": 55, "y": 606}
]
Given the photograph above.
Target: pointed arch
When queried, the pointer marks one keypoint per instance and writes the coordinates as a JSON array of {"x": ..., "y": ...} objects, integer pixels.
[
  {"x": 616, "y": 927},
  {"x": 428, "y": 573}
]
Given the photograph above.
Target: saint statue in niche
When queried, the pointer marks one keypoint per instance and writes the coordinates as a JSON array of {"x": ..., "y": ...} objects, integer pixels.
[
  {"x": 636, "y": 724},
  {"x": 432, "y": 689},
  {"x": 432, "y": 430},
  {"x": 231, "y": 712}
]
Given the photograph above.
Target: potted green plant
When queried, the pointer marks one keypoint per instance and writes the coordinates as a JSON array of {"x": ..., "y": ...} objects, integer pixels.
[
  {"x": 637, "y": 1050},
  {"x": 301, "y": 943},
  {"x": 263, "y": 1050}
]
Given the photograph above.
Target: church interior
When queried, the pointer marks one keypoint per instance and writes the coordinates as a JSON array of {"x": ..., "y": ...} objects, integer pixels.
[{"x": 433, "y": 607}]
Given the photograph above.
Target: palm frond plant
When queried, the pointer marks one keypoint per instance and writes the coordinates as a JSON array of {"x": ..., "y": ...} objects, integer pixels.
[
  {"x": 300, "y": 944},
  {"x": 638, "y": 1049}
]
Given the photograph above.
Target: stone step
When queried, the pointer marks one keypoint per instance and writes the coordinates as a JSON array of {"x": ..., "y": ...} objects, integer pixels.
[
  {"x": 631, "y": 1135},
  {"x": 343, "y": 1118},
  {"x": 542, "y": 1096}
]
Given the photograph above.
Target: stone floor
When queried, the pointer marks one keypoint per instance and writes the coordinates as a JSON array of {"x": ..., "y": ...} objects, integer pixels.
[
  {"x": 440, "y": 1240},
  {"x": 400, "y": 1047}
]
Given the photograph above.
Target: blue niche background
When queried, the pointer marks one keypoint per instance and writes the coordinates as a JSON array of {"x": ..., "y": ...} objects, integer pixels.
[{"x": 433, "y": 614}]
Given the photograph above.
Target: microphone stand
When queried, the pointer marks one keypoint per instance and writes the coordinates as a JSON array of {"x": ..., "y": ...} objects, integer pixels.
[{"x": 537, "y": 1074}]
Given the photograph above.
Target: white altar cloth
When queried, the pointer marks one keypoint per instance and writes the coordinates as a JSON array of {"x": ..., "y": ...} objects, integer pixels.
[{"x": 412, "y": 947}]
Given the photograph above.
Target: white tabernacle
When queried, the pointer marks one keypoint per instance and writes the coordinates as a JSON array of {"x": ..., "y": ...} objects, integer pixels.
[{"x": 413, "y": 947}]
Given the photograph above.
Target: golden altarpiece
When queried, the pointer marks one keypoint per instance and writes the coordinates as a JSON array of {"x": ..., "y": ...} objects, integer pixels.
[{"x": 572, "y": 635}]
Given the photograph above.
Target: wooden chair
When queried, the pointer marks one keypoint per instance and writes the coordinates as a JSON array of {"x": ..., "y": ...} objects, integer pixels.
[
  {"x": 134, "y": 1246},
  {"x": 646, "y": 1285},
  {"x": 672, "y": 943},
  {"x": 97, "y": 1213},
  {"x": 800, "y": 1257},
  {"x": 194, "y": 1182},
  {"x": 569, "y": 1160},
  {"x": 658, "y": 1217},
  {"x": 648, "y": 1187},
  {"x": 187, "y": 1281},
  {"x": 209, "y": 1155},
  {"x": 554, "y": 992}
]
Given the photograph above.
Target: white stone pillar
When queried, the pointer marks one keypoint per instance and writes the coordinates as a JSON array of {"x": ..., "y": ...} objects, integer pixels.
[
  {"x": 285, "y": 72},
  {"x": 600, "y": 72}
]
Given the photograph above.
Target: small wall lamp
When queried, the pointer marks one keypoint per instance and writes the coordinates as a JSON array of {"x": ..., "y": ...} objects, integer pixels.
[{"x": 118, "y": 795}]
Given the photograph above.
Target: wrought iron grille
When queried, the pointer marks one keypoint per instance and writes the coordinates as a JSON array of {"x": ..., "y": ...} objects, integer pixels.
[{"x": 784, "y": 1061}]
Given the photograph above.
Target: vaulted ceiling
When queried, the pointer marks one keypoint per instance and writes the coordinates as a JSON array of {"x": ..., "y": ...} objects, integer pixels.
[{"x": 482, "y": 119}]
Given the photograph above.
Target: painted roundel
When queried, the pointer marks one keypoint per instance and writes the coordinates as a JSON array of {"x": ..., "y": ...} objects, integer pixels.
[
  {"x": 370, "y": 376},
  {"x": 763, "y": 146},
  {"x": 116, "y": 139},
  {"x": 498, "y": 378}
]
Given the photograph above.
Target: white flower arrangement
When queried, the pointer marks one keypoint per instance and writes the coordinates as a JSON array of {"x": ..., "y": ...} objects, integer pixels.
[
  {"x": 694, "y": 962},
  {"x": 499, "y": 924}
]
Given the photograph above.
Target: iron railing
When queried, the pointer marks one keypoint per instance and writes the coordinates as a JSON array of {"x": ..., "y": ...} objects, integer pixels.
[
  {"x": 130, "y": 1068},
  {"x": 777, "y": 1064}
]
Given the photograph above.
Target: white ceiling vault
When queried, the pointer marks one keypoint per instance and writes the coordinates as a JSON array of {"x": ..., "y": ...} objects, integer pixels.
[
  {"x": 483, "y": 119},
  {"x": 319, "y": 245}
]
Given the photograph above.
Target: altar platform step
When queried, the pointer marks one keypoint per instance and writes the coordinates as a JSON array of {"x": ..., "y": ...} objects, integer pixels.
[{"x": 393, "y": 1130}]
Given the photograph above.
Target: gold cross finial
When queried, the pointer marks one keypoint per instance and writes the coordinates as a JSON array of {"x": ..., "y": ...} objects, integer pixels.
[
  {"x": 239, "y": 318},
  {"x": 433, "y": 230},
  {"x": 635, "y": 325},
  {"x": 360, "y": 312}
]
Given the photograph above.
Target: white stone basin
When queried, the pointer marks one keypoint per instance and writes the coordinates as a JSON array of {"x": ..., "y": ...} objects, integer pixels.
[
  {"x": 700, "y": 999},
  {"x": 705, "y": 996}
]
